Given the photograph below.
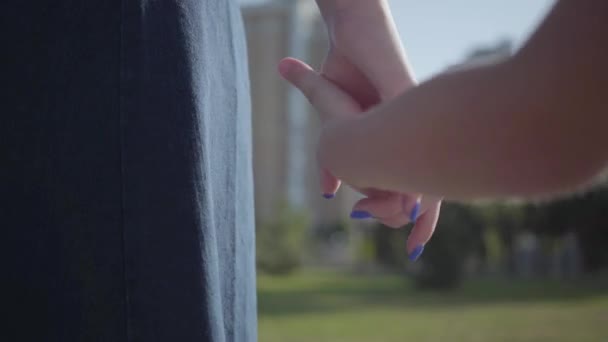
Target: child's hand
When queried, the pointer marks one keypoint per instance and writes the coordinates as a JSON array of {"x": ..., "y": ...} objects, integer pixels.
[{"x": 391, "y": 208}]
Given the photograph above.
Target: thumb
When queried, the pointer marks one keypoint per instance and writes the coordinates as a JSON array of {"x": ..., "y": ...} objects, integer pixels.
[{"x": 328, "y": 99}]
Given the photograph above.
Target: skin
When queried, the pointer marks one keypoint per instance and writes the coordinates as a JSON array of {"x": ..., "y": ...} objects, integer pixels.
[
  {"x": 367, "y": 61},
  {"x": 533, "y": 125}
]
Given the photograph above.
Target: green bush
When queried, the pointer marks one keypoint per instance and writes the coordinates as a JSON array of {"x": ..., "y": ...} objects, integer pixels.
[
  {"x": 389, "y": 246},
  {"x": 458, "y": 234},
  {"x": 280, "y": 243},
  {"x": 324, "y": 233}
]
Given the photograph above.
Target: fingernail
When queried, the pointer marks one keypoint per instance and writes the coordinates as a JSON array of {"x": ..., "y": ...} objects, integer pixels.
[
  {"x": 415, "y": 210},
  {"x": 360, "y": 214},
  {"x": 416, "y": 253},
  {"x": 329, "y": 196}
]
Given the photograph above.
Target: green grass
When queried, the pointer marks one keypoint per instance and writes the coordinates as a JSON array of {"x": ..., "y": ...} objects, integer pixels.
[{"x": 324, "y": 306}]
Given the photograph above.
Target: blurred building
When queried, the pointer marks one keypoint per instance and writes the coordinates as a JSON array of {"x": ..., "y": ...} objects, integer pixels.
[
  {"x": 485, "y": 55},
  {"x": 285, "y": 127}
]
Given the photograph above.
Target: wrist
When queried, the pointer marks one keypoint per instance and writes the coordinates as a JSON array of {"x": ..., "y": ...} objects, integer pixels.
[
  {"x": 347, "y": 19},
  {"x": 350, "y": 4},
  {"x": 330, "y": 5},
  {"x": 335, "y": 10}
]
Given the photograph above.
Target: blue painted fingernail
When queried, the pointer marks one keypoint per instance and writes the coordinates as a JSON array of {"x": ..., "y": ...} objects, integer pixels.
[
  {"x": 360, "y": 214},
  {"x": 416, "y": 253},
  {"x": 329, "y": 196},
  {"x": 414, "y": 213}
]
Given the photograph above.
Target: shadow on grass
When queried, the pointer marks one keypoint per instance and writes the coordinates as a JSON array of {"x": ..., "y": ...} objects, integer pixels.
[{"x": 355, "y": 293}]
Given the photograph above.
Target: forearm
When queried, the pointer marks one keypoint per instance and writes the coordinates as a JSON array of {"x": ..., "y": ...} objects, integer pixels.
[
  {"x": 427, "y": 140},
  {"x": 459, "y": 136}
]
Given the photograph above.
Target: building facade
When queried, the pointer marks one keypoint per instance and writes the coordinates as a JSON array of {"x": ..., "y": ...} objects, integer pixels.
[{"x": 285, "y": 127}]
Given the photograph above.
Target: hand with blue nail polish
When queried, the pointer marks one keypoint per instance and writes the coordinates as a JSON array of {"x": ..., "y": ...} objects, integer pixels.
[{"x": 390, "y": 208}]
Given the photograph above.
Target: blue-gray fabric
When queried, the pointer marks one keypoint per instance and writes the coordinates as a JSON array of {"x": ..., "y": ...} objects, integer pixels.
[{"x": 126, "y": 181}]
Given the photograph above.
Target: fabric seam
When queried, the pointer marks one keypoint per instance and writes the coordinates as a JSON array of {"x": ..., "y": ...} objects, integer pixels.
[{"x": 121, "y": 126}]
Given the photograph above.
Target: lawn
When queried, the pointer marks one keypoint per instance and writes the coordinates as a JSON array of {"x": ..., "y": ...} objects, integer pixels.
[{"x": 325, "y": 306}]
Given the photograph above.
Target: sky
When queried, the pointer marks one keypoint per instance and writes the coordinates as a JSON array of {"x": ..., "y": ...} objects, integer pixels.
[{"x": 437, "y": 34}]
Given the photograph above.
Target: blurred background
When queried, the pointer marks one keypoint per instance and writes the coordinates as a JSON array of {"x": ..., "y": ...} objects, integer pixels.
[{"x": 494, "y": 271}]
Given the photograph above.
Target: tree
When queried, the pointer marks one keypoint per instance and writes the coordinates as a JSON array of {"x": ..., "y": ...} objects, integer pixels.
[
  {"x": 587, "y": 216},
  {"x": 280, "y": 243},
  {"x": 458, "y": 235}
]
